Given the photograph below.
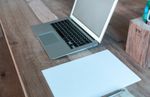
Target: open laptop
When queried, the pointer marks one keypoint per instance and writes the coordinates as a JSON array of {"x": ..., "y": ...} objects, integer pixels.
[{"x": 83, "y": 29}]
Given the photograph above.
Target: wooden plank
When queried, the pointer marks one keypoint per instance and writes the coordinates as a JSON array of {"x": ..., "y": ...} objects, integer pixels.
[
  {"x": 10, "y": 85},
  {"x": 1, "y": 35},
  {"x": 61, "y": 8},
  {"x": 24, "y": 46},
  {"x": 124, "y": 12},
  {"x": 138, "y": 41},
  {"x": 148, "y": 57},
  {"x": 41, "y": 11}
]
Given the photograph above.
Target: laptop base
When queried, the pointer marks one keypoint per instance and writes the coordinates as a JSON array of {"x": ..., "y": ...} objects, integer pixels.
[{"x": 53, "y": 44}]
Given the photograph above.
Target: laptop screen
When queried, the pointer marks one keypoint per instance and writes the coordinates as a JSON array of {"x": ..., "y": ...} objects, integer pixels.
[{"x": 93, "y": 14}]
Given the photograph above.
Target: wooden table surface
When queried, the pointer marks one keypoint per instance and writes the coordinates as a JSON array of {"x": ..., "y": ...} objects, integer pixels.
[
  {"x": 30, "y": 58},
  {"x": 9, "y": 82}
]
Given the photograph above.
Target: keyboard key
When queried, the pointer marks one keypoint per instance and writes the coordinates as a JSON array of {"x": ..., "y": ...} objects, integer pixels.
[{"x": 71, "y": 34}]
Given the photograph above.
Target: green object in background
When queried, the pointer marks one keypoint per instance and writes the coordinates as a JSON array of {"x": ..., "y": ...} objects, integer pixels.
[
  {"x": 146, "y": 11},
  {"x": 148, "y": 3},
  {"x": 145, "y": 18}
]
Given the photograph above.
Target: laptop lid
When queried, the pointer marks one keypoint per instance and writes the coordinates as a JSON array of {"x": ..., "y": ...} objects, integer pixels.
[{"x": 93, "y": 16}]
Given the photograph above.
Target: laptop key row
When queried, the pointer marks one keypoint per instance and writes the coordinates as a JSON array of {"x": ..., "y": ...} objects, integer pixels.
[{"x": 71, "y": 34}]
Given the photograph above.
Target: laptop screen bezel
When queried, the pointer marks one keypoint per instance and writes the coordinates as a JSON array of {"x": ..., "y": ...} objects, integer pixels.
[{"x": 99, "y": 39}]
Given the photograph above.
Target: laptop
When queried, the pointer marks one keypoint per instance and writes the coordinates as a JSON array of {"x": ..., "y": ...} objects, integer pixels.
[{"x": 83, "y": 29}]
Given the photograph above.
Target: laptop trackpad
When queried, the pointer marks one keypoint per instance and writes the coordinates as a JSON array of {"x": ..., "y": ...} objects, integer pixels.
[{"x": 48, "y": 38}]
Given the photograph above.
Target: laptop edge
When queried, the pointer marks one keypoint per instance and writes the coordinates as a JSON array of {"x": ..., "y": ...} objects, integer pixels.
[{"x": 55, "y": 46}]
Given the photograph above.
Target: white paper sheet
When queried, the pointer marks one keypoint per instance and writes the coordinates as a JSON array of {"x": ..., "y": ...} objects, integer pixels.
[{"x": 91, "y": 76}]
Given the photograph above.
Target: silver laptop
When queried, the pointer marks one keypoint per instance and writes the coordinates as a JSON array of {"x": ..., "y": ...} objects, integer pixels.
[{"x": 83, "y": 29}]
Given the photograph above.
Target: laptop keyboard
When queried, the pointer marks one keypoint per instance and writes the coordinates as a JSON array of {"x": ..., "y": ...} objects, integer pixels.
[{"x": 71, "y": 34}]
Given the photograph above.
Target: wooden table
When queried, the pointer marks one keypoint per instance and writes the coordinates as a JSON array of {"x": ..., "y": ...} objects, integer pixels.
[
  {"x": 30, "y": 58},
  {"x": 9, "y": 82}
]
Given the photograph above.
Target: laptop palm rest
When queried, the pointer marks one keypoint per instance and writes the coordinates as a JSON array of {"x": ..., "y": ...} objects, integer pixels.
[
  {"x": 48, "y": 39},
  {"x": 53, "y": 45}
]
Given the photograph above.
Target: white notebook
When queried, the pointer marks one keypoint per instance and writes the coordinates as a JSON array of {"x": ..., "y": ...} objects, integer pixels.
[{"x": 91, "y": 76}]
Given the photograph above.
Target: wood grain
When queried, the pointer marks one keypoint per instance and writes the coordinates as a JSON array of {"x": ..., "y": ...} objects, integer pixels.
[
  {"x": 41, "y": 11},
  {"x": 61, "y": 8},
  {"x": 30, "y": 57},
  {"x": 124, "y": 12},
  {"x": 10, "y": 85},
  {"x": 148, "y": 57},
  {"x": 138, "y": 42}
]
